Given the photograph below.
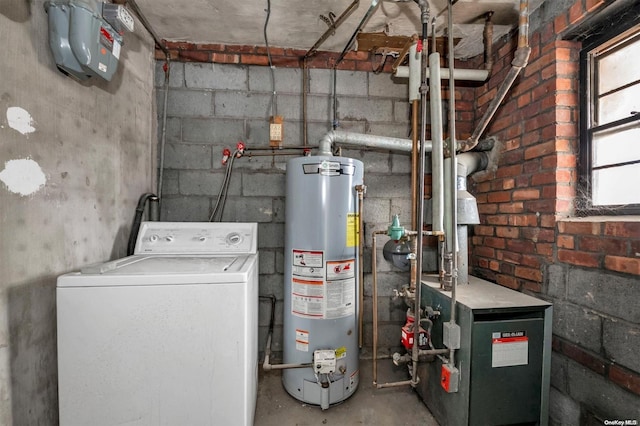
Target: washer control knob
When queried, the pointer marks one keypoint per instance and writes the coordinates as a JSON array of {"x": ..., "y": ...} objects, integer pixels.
[
  {"x": 234, "y": 238},
  {"x": 153, "y": 238},
  {"x": 202, "y": 239},
  {"x": 169, "y": 238}
]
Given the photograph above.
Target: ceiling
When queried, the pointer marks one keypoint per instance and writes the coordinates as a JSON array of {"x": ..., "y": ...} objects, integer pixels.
[{"x": 298, "y": 23}]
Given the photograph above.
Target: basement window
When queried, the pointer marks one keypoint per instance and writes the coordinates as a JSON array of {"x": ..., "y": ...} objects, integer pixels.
[{"x": 610, "y": 123}]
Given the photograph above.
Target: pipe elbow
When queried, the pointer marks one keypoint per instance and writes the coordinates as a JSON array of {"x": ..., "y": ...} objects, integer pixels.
[
  {"x": 521, "y": 57},
  {"x": 326, "y": 143}
]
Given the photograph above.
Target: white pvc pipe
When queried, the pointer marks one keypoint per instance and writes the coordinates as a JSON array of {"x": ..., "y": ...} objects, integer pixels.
[
  {"x": 414, "y": 73},
  {"x": 459, "y": 74},
  {"x": 437, "y": 157}
]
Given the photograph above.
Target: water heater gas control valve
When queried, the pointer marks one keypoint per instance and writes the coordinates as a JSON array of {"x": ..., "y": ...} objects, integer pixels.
[{"x": 324, "y": 361}]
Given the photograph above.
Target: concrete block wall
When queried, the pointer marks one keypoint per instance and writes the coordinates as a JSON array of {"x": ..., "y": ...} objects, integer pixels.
[
  {"x": 529, "y": 239},
  {"x": 90, "y": 149},
  {"x": 212, "y": 106}
]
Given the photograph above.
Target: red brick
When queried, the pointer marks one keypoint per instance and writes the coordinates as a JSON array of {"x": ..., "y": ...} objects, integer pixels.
[
  {"x": 548, "y": 221},
  {"x": 579, "y": 258},
  {"x": 511, "y": 208},
  {"x": 494, "y": 242},
  {"x": 180, "y": 45},
  {"x": 507, "y": 232},
  {"x": 566, "y": 241},
  {"x": 484, "y": 251},
  {"x": 535, "y": 287},
  {"x": 494, "y": 265},
  {"x": 540, "y": 150},
  {"x": 591, "y": 5},
  {"x": 498, "y": 220},
  {"x": 531, "y": 261},
  {"x": 225, "y": 58},
  {"x": 499, "y": 196},
  {"x": 622, "y": 229},
  {"x": 543, "y": 178},
  {"x": 508, "y": 256},
  {"x": 609, "y": 246},
  {"x": 625, "y": 378},
  {"x": 579, "y": 228},
  {"x": 541, "y": 206},
  {"x": 538, "y": 234},
  {"x": 532, "y": 166},
  {"x": 544, "y": 249},
  {"x": 250, "y": 49},
  {"x": 626, "y": 265},
  {"x": 523, "y": 220},
  {"x": 583, "y": 357},
  {"x": 194, "y": 56},
  {"x": 254, "y": 59},
  {"x": 508, "y": 281},
  {"x": 484, "y": 230},
  {"x": 213, "y": 47},
  {"x": 529, "y": 273},
  {"x": 509, "y": 171},
  {"x": 526, "y": 194},
  {"x": 521, "y": 246},
  {"x": 560, "y": 23},
  {"x": 576, "y": 12},
  {"x": 487, "y": 208}
]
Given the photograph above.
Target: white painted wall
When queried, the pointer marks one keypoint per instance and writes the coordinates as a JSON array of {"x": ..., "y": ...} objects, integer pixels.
[{"x": 74, "y": 158}]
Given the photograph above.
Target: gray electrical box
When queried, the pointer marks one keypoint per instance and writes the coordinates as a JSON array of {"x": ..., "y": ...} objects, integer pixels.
[
  {"x": 82, "y": 42},
  {"x": 504, "y": 360}
]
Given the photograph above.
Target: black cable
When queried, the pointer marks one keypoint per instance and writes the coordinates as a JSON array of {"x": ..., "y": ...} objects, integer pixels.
[
  {"x": 137, "y": 220},
  {"x": 274, "y": 107}
]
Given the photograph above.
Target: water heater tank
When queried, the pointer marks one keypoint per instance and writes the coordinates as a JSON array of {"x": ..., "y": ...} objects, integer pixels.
[{"x": 321, "y": 278}]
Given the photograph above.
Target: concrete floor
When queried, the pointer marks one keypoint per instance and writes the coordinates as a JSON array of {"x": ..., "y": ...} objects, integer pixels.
[{"x": 367, "y": 406}]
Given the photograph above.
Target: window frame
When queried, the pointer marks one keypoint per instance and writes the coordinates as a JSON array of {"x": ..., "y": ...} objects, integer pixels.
[{"x": 600, "y": 36}]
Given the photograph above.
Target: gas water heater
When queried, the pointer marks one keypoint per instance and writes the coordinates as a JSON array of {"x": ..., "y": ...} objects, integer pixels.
[{"x": 321, "y": 278}]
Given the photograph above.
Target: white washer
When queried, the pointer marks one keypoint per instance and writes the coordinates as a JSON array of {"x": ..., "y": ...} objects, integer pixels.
[{"x": 167, "y": 336}]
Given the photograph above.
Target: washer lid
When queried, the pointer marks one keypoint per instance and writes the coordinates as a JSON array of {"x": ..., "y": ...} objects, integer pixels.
[{"x": 160, "y": 269}]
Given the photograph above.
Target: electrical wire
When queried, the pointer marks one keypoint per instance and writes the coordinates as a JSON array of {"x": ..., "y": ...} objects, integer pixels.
[
  {"x": 274, "y": 106},
  {"x": 218, "y": 210}
]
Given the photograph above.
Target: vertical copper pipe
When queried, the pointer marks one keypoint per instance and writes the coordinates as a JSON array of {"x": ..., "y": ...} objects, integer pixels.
[{"x": 360, "y": 189}]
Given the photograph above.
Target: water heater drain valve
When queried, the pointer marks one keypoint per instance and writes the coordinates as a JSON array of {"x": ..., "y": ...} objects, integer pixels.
[{"x": 324, "y": 361}]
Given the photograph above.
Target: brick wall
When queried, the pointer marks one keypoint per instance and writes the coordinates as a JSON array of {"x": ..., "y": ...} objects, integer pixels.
[{"x": 527, "y": 240}]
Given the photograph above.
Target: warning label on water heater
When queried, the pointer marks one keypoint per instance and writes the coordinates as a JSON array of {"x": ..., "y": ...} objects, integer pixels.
[
  {"x": 341, "y": 288},
  {"x": 322, "y": 290},
  {"x": 509, "y": 348}
]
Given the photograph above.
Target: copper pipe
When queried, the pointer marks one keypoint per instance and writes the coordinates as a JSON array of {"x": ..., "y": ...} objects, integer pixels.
[
  {"x": 361, "y": 189},
  {"x": 375, "y": 304}
]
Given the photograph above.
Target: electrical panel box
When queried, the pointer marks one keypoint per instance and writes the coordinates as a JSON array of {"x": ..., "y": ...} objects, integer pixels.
[
  {"x": 502, "y": 366},
  {"x": 82, "y": 42}
]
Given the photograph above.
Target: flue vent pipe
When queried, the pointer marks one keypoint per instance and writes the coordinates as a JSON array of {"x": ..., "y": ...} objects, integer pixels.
[
  {"x": 361, "y": 139},
  {"x": 520, "y": 61}
]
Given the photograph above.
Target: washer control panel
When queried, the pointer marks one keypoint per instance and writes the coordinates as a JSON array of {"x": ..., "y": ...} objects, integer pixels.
[{"x": 197, "y": 238}]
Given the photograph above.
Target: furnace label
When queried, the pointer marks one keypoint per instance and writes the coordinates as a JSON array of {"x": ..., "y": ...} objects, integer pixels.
[{"x": 509, "y": 348}]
